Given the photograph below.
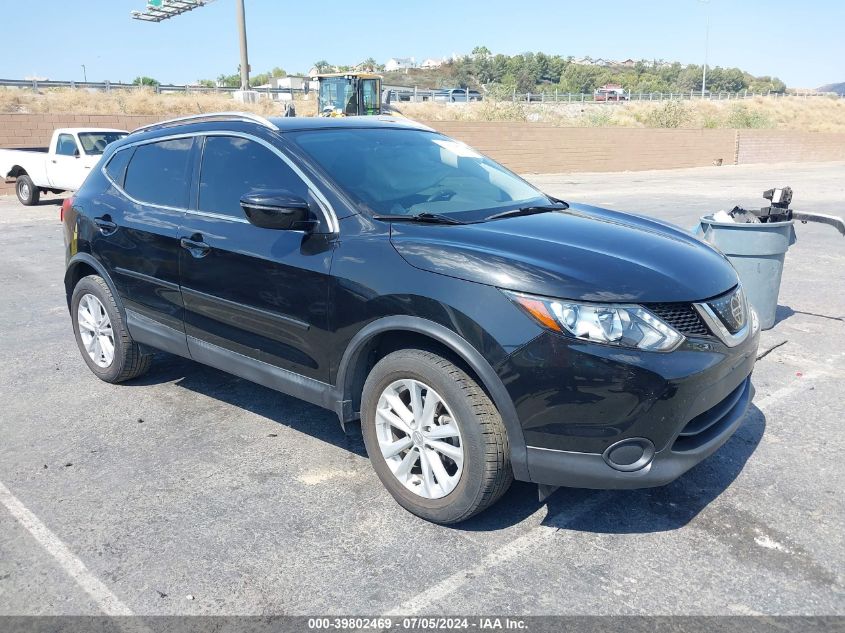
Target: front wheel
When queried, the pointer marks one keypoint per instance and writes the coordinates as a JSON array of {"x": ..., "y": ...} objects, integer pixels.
[
  {"x": 27, "y": 192},
  {"x": 435, "y": 439}
]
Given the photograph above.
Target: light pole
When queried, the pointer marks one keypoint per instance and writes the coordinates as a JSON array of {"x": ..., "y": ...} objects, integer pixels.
[
  {"x": 158, "y": 10},
  {"x": 706, "y": 48},
  {"x": 84, "y": 74},
  {"x": 242, "y": 34}
]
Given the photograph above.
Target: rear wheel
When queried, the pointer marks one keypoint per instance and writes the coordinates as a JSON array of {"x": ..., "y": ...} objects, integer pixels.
[
  {"x": 435, "y": 439},
  {"x": 106, "y": 345},
  {"x": 28, "y": 193}
]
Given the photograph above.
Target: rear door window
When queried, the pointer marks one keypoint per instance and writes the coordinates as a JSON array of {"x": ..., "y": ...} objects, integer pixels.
[
  {"x": 235, "y": 166},
  {"x": 159, "y": 173}
]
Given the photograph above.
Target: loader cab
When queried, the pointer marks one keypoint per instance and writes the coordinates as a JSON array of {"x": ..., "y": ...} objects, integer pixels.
[{"x": 349, "y": 94}]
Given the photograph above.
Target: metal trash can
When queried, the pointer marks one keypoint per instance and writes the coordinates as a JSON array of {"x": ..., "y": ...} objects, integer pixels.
[{"x": 757, "y": 251}]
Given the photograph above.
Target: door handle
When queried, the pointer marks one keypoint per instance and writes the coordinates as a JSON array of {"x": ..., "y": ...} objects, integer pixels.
[
  {"x": 106, "y": 226},
  {"x": 196, "y": 248}
]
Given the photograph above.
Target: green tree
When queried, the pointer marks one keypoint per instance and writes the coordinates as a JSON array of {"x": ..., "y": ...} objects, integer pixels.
[
  {"x": 229, "y": 81},
  {"x": 583, "y": 79},
  {"x": 146, "y": 81},
  {"x": 689, "y": 79},
  {"x": 322, "y": 66}
]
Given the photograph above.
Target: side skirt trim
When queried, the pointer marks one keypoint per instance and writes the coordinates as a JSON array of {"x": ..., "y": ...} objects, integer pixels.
[
  {"x": 150, "y": 332},
  {"x": 314, "y": 391}
]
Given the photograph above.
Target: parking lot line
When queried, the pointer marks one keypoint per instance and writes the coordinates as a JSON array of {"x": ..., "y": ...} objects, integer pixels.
[
  {"x": 108, "y": 603},
  {"x": 505, "y": 553}
]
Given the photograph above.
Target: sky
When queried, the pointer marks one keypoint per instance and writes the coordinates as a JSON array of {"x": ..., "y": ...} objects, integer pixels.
[{"x": 803, "y": 43}]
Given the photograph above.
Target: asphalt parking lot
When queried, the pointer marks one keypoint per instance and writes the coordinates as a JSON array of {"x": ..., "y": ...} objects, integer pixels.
[{"x": 190, "y": 491}]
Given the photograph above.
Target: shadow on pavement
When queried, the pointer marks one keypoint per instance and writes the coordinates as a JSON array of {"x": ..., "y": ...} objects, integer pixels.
[
  {"x": 618, "y": 511},
  {"x": 633, "y": 511},
  {"x": 783, "y": 313},
  {"x": 273, "y": 405}
]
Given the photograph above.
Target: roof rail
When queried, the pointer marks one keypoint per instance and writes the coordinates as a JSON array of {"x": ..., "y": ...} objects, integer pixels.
[{"x": 213, "y": 116}]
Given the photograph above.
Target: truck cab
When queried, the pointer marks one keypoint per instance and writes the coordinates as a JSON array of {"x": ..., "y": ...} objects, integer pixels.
[
  {"x": 349, "y": 94},
  {"x": 62, "y": 166}
]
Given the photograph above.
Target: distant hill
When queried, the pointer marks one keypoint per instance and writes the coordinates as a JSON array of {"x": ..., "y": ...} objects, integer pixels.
[{"x": 837, "y": 88}]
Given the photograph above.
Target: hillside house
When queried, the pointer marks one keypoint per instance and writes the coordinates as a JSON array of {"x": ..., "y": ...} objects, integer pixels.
[
  {"x": 399, "y": 63},
  {"x": 431, "y": 63}
]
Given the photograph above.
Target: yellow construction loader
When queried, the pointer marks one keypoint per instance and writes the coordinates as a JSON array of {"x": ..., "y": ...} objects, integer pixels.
[{"x": 350, "y": 94}]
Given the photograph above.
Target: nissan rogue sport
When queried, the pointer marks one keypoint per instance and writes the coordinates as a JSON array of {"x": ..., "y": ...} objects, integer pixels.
[{"x": 479, "y": 329}]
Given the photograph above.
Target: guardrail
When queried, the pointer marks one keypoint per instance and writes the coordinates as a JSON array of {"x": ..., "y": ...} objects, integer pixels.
[
  {"x": 107, "y": 86},
  {"x": 419, "y": 95},
  {"x": 415, "y": 94}
]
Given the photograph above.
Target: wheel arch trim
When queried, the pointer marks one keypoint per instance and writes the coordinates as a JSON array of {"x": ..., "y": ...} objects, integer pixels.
[
  {"x": 90, "y": 260},
  {"x": 460, "y": 346}
]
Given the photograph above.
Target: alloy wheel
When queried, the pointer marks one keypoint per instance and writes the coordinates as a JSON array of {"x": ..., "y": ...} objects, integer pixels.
[
  {"x": 419, "y": 438},
  {"x": 95, "y": 330}
]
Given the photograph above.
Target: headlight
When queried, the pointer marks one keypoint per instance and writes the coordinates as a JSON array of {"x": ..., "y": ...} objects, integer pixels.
[{"x": 612, "y": 324}]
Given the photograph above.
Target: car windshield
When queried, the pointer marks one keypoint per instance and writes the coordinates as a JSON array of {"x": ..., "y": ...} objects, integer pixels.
[
  {"x": 407, "y": 172},
  {"x": 94, "y": 143}
]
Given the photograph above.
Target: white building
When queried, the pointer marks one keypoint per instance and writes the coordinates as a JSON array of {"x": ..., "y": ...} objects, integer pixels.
[
  {"x": 431, "y": 62},
  {"x": 294, "y": 82},
  {"x": 399, "y": 63}
]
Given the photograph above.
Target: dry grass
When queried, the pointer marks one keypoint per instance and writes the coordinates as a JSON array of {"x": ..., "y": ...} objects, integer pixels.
[
  {"x": 141, "y": 101},
  {"x": 792, "y": 113}
]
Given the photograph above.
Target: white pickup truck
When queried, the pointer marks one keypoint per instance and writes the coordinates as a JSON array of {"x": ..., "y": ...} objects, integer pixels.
[{"x": 60, "y": 167}]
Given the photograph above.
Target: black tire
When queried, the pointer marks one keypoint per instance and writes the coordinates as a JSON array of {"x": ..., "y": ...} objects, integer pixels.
[
  {"x": 486, "y": 472},
  {"x": 24, "y": 184},
  {"x": 129, "y": 361}
]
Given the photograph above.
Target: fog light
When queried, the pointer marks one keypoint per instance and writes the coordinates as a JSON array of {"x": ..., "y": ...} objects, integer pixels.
[{"x": 629, "y": 455}]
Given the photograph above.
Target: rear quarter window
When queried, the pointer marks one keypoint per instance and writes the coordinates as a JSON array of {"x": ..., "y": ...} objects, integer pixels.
[
  {"x": 116, "y": 167},
  {"x": 158, "y": 173}
]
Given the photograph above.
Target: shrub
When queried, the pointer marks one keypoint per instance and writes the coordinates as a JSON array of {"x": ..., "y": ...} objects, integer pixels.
[
  {"x": 741, "y": 117},
  {"x": 670, "y": 115}
]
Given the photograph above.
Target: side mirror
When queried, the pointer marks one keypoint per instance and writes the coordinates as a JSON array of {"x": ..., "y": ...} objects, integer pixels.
[
  {"x": 278, "y": 209},
  {"x": 76, "y": 153}
]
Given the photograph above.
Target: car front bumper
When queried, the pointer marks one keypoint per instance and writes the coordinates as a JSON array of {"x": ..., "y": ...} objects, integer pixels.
[
  {"x": 598, "y": 417},
  {"x": 592, "y": 470}
]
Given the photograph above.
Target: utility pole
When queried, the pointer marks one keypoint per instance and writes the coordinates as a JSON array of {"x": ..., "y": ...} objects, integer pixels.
[
  {"x": 84, "y": 74},
  {"x": 706, "y": 49},
  {"x": 241, "y": 14}
]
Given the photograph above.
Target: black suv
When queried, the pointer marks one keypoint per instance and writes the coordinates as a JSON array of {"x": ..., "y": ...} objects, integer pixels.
[{"x": 479, "y": 329}]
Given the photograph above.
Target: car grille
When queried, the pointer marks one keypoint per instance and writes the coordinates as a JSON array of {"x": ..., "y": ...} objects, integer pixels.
[
  {"x": 681, "y": 316},
  {"x": 730, "y": 308}
]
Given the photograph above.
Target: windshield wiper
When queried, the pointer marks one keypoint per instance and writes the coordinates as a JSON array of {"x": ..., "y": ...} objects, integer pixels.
[
  {"x": 543, "y": 208},
  {"x": 430, "y": 218}
]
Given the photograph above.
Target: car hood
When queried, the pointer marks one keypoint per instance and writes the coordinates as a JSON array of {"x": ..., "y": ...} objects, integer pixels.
[{"x": 585, "y": 253}]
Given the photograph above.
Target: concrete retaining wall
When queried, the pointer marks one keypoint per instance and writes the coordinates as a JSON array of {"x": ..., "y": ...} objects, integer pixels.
[{"x": 537, "y": 148}]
